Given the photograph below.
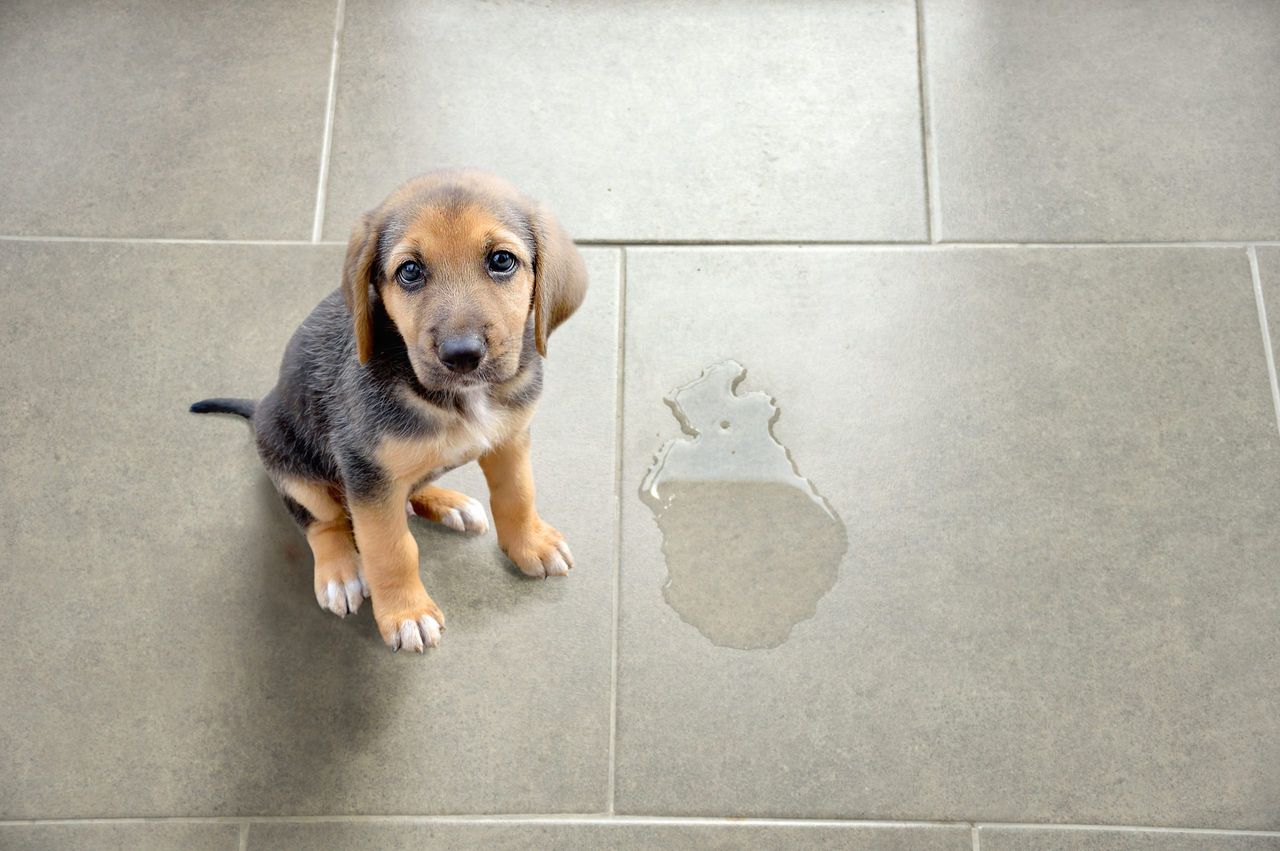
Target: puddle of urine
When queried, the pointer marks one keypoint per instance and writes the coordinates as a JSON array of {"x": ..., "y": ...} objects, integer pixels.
[{"x": 750, "y": 544}]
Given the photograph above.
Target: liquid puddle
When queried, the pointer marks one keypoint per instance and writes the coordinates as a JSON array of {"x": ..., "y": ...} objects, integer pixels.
[{"x": 751, "y": 547}]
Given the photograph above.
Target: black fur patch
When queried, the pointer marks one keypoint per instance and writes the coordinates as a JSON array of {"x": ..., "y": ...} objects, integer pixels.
[{"x": 298, "y": 511}]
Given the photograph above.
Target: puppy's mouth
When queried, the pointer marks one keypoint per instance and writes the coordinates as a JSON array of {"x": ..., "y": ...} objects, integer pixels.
[
  {"x": 454, "y": 381},
  {"x": 434, "y": 375}
]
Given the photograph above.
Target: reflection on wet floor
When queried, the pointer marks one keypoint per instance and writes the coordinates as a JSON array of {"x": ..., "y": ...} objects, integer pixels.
[{"x": 749, "y": 543}]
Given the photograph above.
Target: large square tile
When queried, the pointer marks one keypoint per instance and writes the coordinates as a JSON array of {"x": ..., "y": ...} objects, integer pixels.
[
  {"x": 1079, "y": 120},
  {"x": 1059, "y": 474},
  {"x": 651, "y": 120},
  {"x": 162, "y": 651},
  {"x": 155, "y": 119},
  {"x": 588, "y": 835}
]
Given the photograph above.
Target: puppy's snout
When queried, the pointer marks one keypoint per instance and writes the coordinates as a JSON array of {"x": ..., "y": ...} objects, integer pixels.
[{"x": 463, "y": 353}]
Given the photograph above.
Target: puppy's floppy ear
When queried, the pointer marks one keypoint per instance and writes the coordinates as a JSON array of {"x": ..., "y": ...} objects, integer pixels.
[
  {"x": 362, "y": 251},
  {"x": 559, "y": 276}
]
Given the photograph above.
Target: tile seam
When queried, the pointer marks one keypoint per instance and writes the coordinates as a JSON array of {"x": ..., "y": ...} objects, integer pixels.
[
  {"x": 597, "y": 818},
  {"x": 330, "y": 107},
  {"x": 1267, "y": 344},
  {"x": 927, "y": 153},
  {"x": 1127, "y": 828},
  {"x": 619, "y": 409},
  {"x": 673, "y": 245}
]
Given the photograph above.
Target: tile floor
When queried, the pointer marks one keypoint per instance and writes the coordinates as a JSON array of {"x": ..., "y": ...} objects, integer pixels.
[{"x": 1004, "y": 269}]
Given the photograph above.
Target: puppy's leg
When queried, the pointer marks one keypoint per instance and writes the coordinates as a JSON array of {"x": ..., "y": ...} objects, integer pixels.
[
  {"x": 406, "y": 616},
  {"x": 536, "y": 548},
  {"x": 338, "y": 584},
  {"x": 455, "y": 510}
]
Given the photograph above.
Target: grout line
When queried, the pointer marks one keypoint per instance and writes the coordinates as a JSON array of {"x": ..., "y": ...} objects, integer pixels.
[
  {"x": 675, "y": 244},
  {"x": 1266, "y": 330},
  {"x": 931, "y": 207},
  {"x": 1124, "y": 828},
  {"x": 973, "y": 838},
  {"x": 619, "y": 407},
  {"x": 330, "y": 105},
  {"x": 244, "y": 836},
  {"x": 946, "y": 245},
  {"x": 732, "y": 243},
  {"x": 570, "y": 819},
  {"x": 517, "y": 818},
  {"x": 158, "y": 240}
]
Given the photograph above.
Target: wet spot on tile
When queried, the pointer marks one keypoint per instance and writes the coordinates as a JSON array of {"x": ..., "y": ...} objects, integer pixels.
[{"x": 750, "y": 544}]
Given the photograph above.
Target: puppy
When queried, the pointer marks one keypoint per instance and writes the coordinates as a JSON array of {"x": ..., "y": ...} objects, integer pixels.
[{"x": 429, "y": 356}]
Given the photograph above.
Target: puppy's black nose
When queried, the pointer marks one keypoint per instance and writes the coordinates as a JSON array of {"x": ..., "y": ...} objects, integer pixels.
[{"x": 461, "y": 354}]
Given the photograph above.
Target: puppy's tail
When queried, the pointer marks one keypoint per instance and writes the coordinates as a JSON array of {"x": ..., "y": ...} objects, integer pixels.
[{"x": 239, "y": 407}]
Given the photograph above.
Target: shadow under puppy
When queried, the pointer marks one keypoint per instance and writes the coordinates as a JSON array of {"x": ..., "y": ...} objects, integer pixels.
[{"x": 429, "y": 356}]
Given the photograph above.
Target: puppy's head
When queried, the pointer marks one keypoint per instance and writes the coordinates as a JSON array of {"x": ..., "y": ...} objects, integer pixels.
[{"x": 462, "y": 263}]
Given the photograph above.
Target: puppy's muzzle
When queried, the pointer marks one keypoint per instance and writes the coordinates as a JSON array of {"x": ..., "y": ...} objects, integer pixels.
[{"x": 461, "y": 354}]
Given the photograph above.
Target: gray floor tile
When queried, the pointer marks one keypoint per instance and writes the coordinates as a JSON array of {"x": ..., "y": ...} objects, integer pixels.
[
  {"x": 192, "y": 119},
  {"x": 137, "y": 836},
  {"x": 1051, "y": 839},
  {"x": 590, "y": 836},
  {"x": 1060, "y": 477},
  {"x": 650, "y": 120},
  {"x": 163, "y": 653},
  {"x": 1077, "y": 120}
]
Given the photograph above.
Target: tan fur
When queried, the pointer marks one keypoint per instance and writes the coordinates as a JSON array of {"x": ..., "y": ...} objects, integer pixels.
[
  {"x": 330, "y": 536},
  {"x": 410, "y": 461},
  {"x": 361, "y": 252},
  {"x": 316, "y": 497},
  {"x": 561, "y": 281},
  {"x": 432, "y": 502},
  {"x": 390, "y": 556},
  {"x": 454, "y": 244},
  {"x": 554, "y": 283},
  {"x": 522, "y": 534}
]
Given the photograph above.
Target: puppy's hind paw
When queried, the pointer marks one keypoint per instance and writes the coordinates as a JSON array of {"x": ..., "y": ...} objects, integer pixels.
[
  {"x": 468, "y": 517},
  {"x": 450, "y": 508},
  {"x": 338, "y": 592}
]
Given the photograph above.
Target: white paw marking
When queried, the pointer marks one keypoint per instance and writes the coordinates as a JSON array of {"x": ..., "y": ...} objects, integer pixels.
[
  {"x": 334, "y": 598},
  {"x": 555, "y": 563},
  {"x": 354, "y": 589},
  {"x": 417, "y": 635},
  {"x": 408, "y": 507},
  {"x": 343, "y": 598},
  {"x": 563, "y": 547},
  {"x": 468, "y": 517},
  {"x": 453, "y": 519},
  {"x": 473, "y": 517}
]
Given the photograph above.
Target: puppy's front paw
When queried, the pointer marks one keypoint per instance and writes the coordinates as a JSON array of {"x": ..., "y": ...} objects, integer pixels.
[
  {"x": 540, "y": 551},
  {"x": 412, "y": 629}
]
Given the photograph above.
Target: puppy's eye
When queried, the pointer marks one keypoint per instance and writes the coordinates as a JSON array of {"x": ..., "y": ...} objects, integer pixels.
[
  {"x": 410, "y": 275},
  {"x": 502, "y": 263}
]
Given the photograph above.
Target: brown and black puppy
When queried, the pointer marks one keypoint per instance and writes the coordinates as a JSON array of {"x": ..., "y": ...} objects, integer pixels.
[{"x": 429, "y": 356}]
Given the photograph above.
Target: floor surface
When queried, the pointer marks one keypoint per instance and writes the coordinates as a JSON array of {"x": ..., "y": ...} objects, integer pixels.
[{"x": 995, "y": 273}]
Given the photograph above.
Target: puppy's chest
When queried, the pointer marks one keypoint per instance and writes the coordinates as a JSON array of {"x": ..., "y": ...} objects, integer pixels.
[{"x": 456, "y": 438}]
